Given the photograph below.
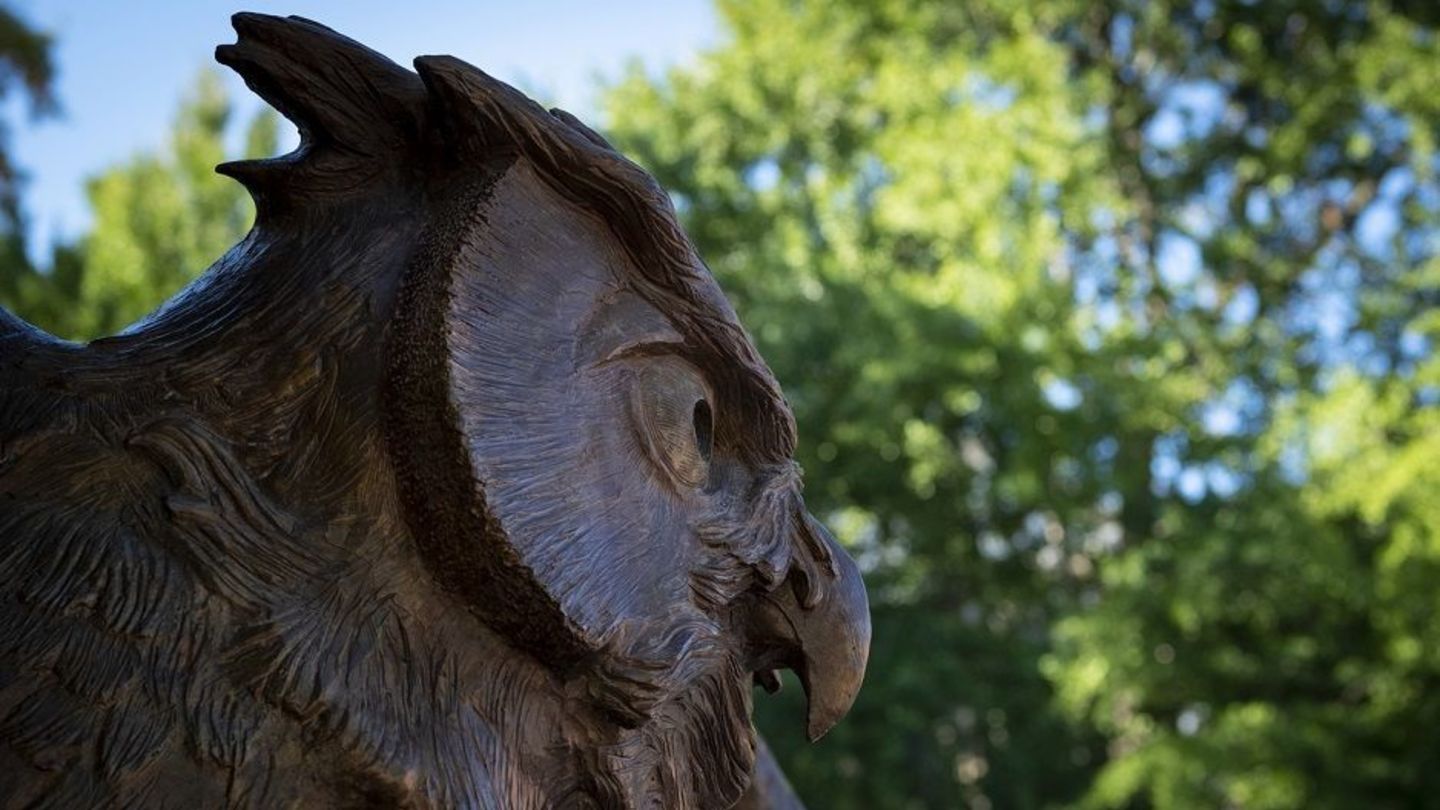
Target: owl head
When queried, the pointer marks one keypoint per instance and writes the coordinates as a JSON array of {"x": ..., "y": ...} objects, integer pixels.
[{"x": 590, "y": 452}]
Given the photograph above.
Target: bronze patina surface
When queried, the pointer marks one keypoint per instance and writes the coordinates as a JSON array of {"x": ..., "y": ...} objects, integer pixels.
[{"x": 457, "y": 483}]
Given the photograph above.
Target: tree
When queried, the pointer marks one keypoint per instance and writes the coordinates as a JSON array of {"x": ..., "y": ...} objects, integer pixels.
[
  {"x": 1064, "y": 294},
  {"x": 159, "y": 220},
  {"x": 25, "y": 65}
]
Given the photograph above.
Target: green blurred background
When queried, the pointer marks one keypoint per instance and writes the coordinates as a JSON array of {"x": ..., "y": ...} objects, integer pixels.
[{"x": 1110, "y": 329}]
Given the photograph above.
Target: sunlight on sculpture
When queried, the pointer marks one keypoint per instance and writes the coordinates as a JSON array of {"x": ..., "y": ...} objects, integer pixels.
[{"x": 456, "y": 483}]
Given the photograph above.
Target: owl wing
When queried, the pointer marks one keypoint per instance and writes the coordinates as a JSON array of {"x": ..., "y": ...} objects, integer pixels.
[{"x": 112, "y": 683}]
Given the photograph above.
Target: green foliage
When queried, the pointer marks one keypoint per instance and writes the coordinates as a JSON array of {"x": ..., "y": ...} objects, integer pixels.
[
  {"x": 25, "y": 65},
  {"x": 24, "y": 61},
  {"x": 158, "y": 221},
  {"x": 1107, "y": 326}
]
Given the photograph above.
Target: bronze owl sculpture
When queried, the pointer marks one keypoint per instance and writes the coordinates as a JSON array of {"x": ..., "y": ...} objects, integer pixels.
[{"x": 456, "y": 483}]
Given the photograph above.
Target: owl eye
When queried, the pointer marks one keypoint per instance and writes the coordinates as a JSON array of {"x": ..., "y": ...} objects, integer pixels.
[
  {"x": 704, "y": 423},
  {"x": 672, "y": 412}
]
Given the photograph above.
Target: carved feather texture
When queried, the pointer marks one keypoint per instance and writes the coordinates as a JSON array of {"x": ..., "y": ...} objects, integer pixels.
[
  {"x": 193, "y": 614},
  {"x": 482, "y": 114},
  {"x": 357, "y": 518}
]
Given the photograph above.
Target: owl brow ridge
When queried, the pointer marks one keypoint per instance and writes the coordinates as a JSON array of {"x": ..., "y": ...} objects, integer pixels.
[{"x": 665, "y": 269}]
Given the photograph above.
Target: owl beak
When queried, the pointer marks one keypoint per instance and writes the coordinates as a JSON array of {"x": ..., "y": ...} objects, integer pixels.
[{"x": 827, "y": 643}]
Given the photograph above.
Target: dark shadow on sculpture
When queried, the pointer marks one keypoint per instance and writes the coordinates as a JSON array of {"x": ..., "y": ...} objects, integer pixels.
[{"x": 457, "y": 483}]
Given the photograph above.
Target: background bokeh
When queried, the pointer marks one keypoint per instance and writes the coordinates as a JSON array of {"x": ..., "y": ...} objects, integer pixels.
[{"x": 1109, "y": 327}]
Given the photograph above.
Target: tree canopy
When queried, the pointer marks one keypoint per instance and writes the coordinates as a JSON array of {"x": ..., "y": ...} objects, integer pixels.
[
  {"x": 27, "y": 69},
  {"x": 159, "y": 220},
  {"x": 1108, "y": 327}
]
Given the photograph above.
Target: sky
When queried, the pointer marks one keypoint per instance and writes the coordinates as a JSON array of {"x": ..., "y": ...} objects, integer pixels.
[{"x": 123, "y": 67}]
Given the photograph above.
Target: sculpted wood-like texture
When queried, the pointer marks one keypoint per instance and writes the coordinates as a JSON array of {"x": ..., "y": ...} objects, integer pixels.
[{"x": 457, "y": 483}]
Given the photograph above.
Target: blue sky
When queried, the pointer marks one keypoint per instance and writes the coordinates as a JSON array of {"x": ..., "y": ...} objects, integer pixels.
[{"x": 124, "y": 65}]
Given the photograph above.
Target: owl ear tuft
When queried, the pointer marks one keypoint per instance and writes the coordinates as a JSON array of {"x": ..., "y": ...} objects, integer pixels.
[
  {"x": 479, "y": 115},
  {"x": 354, "y": 108},
  {"x": 476, "y": 114}
]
